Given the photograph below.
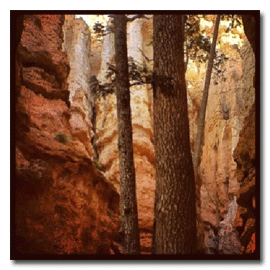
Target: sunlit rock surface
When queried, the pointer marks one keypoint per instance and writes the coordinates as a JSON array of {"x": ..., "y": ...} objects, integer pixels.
[
  {"x": 63, "y": 203},
  {"x": 229, "y": 102},
  {"x": 77, "y": 44}
]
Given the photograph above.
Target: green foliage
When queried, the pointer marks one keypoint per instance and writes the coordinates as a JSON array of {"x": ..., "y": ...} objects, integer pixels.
[
  {"x": 101, "y": 89},
  {"x": 197, "y": 41},
  {"x": 235, "y": 21},
  {"x": 219, "y": 71},
  {"x": 62, "y": 138},
  {"x": 97, "y": 164},
  {"x": 139, "y": 74},
  {"x": 197, "y": 47},
  {"x": 99, "y": 29}
]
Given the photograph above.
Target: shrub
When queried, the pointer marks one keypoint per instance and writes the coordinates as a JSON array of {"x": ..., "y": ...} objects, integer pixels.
[
  {"x": 97, "y": 164},
  {"x": 62, "y": 138}
]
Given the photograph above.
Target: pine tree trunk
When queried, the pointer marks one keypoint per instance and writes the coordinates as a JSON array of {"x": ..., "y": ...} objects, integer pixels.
[
  {"x": 128, "y": 202},
  {"x": 200, "y": 133},
  {"x": 175, "y": 207}
]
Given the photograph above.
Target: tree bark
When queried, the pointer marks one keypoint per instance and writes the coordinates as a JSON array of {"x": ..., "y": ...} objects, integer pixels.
[
  {"x": 200, "y": 133},
  {"x": 175, "y": 207},
  {"x": 128, "y": 202}
]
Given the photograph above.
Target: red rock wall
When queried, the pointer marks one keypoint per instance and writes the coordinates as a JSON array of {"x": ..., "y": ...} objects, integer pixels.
[
  {"x": 63, "y": 203},
  {"x": 244, "y": 156}
]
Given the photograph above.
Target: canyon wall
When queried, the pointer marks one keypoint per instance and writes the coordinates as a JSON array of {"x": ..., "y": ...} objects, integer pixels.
[
  {"x": 63, "y": 203},
  {"x": 244, "y": 156},
  {"x": 67, "y": 166},
  {"x": 77, "y": 44},
  {"x": 230, "y": 101}
]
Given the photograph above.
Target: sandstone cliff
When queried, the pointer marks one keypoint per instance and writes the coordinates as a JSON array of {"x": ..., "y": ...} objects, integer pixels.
[
  {"x": 67, "y": 167},
  {"x": 63, "y": 203},
  {"x": 229, "y": 102},
  {"x": 244, "y": 156}
]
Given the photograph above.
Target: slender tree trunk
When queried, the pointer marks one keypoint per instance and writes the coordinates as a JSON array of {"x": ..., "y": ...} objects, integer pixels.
[
  {"x": 200, "y": 133},
  {"x": 175, "y": 207},
  {"x": 128, "y": 200}
]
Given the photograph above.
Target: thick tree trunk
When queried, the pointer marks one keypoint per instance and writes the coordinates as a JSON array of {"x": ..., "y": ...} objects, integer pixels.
[
  {"x": 175, "y": 207},
  {"x": 128, "y": 200},
  {"x": 200, "y": 133}
]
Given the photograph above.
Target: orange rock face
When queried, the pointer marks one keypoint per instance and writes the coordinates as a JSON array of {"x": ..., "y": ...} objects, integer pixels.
[
  {"x": 229, "y": 103},
  {"x": 252, "y": 244},
  {"x": 63, "y": 207},
  {"x": 244, "y": 156},
  {"x": 41, "y": 44},
  {"x": 63, "y": 203}
]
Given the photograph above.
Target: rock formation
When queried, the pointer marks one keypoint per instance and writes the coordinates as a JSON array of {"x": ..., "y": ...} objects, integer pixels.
[
  {"x": 77, "y": 44},
  {"x": 230, "y": 101},
  {"x": 67, "y": 167},
  {"x": 63, "y": 203},
  {"x": 244, "y": 156}
]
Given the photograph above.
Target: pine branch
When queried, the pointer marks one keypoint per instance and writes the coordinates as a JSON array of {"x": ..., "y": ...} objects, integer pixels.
[{"x": 111, "y": 67}]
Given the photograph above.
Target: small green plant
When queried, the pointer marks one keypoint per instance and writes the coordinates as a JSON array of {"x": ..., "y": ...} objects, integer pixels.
[
  {"x": 97, "y": 164},
  {"x": 62, "y": 138}
]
